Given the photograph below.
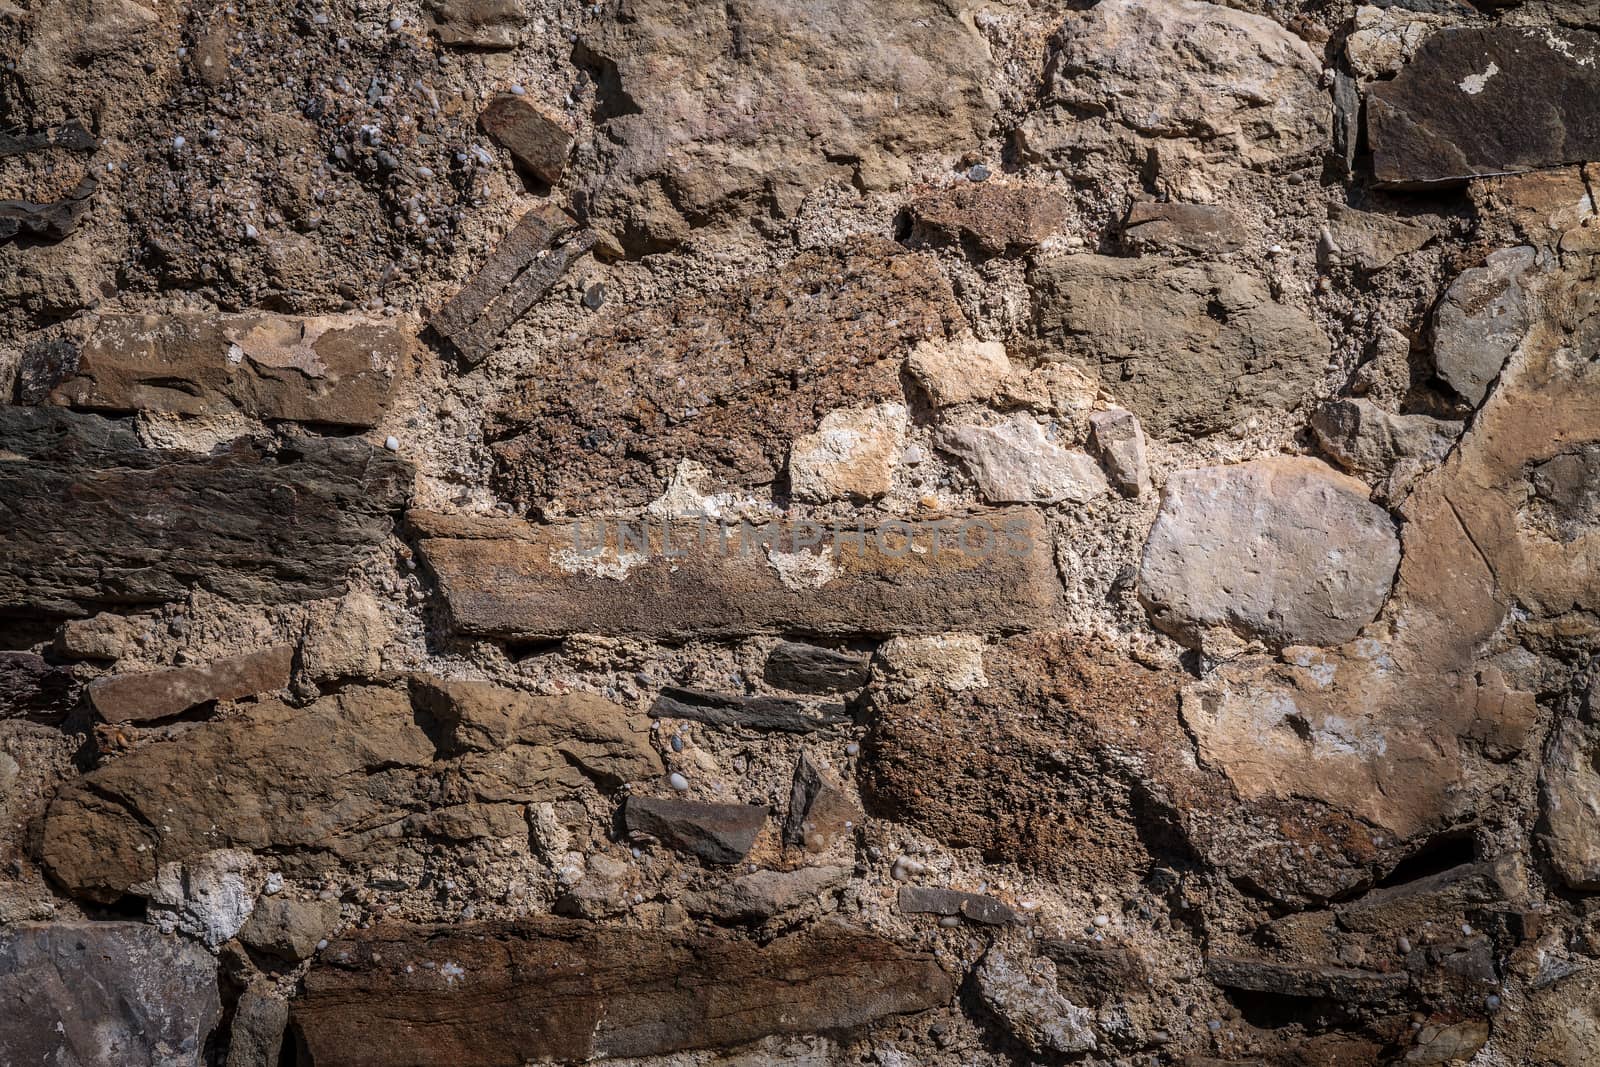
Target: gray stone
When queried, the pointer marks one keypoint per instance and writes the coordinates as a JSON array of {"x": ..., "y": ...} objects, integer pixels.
[
  {"x": 763, "y": 895},
  {"x": 1371, "y": 241},
  {"x": 1023, "y": 993},
  {"x": 1346, "y": 985},
  {"x": 1014, "y": 462},
  {"x": 715, "y": 833},
  {"x": 1481, "y": 320},
  {"x": 821, "y": 811},
  {"x": 928, "y": 900},
  {"x": 32, "y": 688},
  {"x": 1366, "y": 439},
  {"x": 1570, "y": 783},
  {"x": 751, "y": 712},
  {"x": 801, "y": 668},
  {"x": 1284, "y": 550},
  {"x": 1409, "y": 905},
  {"x": 259, "y": 1021},
  {"x": 104, "y": 994},
  {"x": 289, "y": 929},
  {"x": 208, "y": 896},
  {"x": 1119, "y": 440}
]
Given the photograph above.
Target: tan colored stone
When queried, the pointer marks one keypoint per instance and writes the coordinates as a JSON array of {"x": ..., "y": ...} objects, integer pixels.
[
  {"x": 1369, "y": 240},
  {"x": 153, "y": 695},
  {"x": 1200, "y": 229},
  {"x": 850, "y": 457},
  {"x": 959, "y": 370},
  {"x": 1119, "y": 440},
  {"x": 346, "y": 641},
  {"x": 1015, "y": 462},
  {"x": 995, "y": 218},
  {"x": 1571, "y": 789}
]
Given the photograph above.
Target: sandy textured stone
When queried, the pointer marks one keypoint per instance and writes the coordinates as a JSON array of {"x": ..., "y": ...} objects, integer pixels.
[
  {"x": 1369, "y": 240},
  {"x": 1209, "y": 348},
  {"x": 1023, "y": 993},
  {"x": 105, "y": 994},
  {"x": 763, "y": 895},
  {"x": 1478, "y": 100},
  {"x": 335, "y": 369},
  {"x": 1546, "y": 208},
  {"x": 959, "y": 370},
  {"x": 91, "y": 518},
  {"x": 259, "y": 1021},
  {"x": 568, "y": 991},
  {"x": 1199, "y": 229},
  {"x": 1281, "y": 550},
  {"x": 512, "y": 579},
  {"x": 1015, "y": 462},
  {"x": 991, "y": 217},
  {"x": 1119, "y": 440},
  {"x": 850, "y": 457},
  {"x": 348, "y": 641},
  {"x": 1365, "y": 439},
  {"x": 152, "y": 695},
  {"x": 822, "y": 811},
  {"x": 535, "y": 138},
  {"x": 732, "y": 111},
  {"x": 1480, "y": 321},
  {"x": 476, "y": 23},
  {"x": 1571, "y": 786},
  {"x": 289, "y": 929}
]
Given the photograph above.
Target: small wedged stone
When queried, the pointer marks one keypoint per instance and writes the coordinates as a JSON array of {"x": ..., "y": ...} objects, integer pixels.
[
  {"x": 1480, "y": 321},
  {"x": 714, "y": 833},
  {"x": 1346, "y": 985},
  {"x": 289, "y": 929},
  {"x": 152, "y": 695},
  {"x": 959, "y": 370},
  {"x": 1366, "y": 439},
  {"x": 821, "y": 811},
  {"x": 1015, "y": 462},
  {"x": 1023, "y": 993},
  {"x": 487, "y": 24},
  {"x": 1171, "y": 225},
  {"x": 536, "y": 139},
  {"x": 802, "y": 668},
  {"x": 751, "y": 712},
  {"x": 52, "y": 220},
  {"x": 553, "y": 990},
  {"x": 105, "y": 994},
  {"x": 927, "y": 900},
  {"x": 1371, "y": 241},
  {"x": 763, "y": 895},
  {"x": 259, "y": 1021},
  {"x": 1119, "y": 440},
  {"x": 851, "y": 456},
  {"x": 1478, "y": 100},
  {"x": 1500, "y": 881},
  {"x": 991, "y": 217}
]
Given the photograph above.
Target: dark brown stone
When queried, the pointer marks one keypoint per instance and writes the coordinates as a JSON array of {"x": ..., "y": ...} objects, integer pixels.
[
  {"x": 476, "y": 23},
  {"x": 52, "y": 220},
  {"x": 91, "y": 518},
  {"x": 754, "y": 713},
  {"x": 152, "y": 695},
  {"x": 537, "y": 140},
  {"x": 33, "y": 688},
  {"x": 991, "y": 217},
  {"x": 1343, "y": 984},
  {"x": 1487, "y": 100},
  {"x": 821, "y": 811},
  {"x": 510, "y": 579},
  {"x": 715, "y": 833},
  {"x": 728, "y": 378},
  {"x": 802, "y": 668},
  {"x": 567, "y": 991},
  {"x": 927, "y": 900}
]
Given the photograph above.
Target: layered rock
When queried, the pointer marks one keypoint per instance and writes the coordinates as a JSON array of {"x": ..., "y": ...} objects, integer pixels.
[{"x": 155, "y": 695}]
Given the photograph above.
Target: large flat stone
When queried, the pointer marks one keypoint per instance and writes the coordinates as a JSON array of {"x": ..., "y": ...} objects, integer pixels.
[
  {"x": 1487, "y": 100},
  {"x": 104, "y": 994},
  {"x": 91, "y": 518},
  {"x": 513, "y": 580},
  {"x": 553, "y": 990},
  {"x": 151, "y": 695},
  {"x": 335, "y": 369}
]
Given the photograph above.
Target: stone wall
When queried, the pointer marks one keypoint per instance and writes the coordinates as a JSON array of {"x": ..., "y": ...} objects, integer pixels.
[{"x": 929, "y": 533}]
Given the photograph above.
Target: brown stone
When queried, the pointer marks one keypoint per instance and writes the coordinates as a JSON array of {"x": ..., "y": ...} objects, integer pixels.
[
  {"x": 1343, "y": 984},
  {"x": 714, "y": 833},
  {"x": 152, "y": 695},
  {"x": 821, "y": 810},
  {"x": 728, "y": 378},
  {"x": 554, "y": 990},
  {"x": 750, "y": 712},
  {"x": 511, "y": 579},
  {"x": 1369, "y": 240},
  {"x": 802, "y": 668},
  {"x": 337, "y": 370},
  {"x": 994, "y": 218},
  {"x": 537, "y": 139},
  {"x": 289, "y": 929},
  {"x": 1200, "y": 229},
  {"x": 927, "y": 900},
  {"x": 477, "y": 23}
]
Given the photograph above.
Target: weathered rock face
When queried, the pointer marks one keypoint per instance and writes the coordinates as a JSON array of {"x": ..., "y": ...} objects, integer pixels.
[
  {"x": 105, "y": 994},
  {"x": 1200, "y": 229},
  {"x": 1365, "y": 439},
  {"x": 1210, "y": 346},
  {"x": 711, "y": 112},
  {"x": 715, "y": 833},
  {"x": 91, "y": 517},
  {"x": 1014, "y": 462},
  {"x": 337, "y": 370},
  {"x": 1480, "y": 321},
  {"x": 536, "y": 139},
  {"x": 161, "y": 694},
  {"x": 993, "y": 218},
  {"x": 850, "y": 457},
  {"x": 1023, "y": 994},
  {"x": 569, "y": 991},
  {"x": 1486, "y": 100},
  {"x": 1284, "y": 551},
  {"x": 1572, "y": 825},
  {"x": 729, "y": 378},
  {"x": 512, "y": 579}
]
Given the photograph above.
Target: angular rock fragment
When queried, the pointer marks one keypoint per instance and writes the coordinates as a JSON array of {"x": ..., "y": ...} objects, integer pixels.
[
  {"x": 537, "y": 140},
  {"x": 728, "y": 379},
  {"x": 1410, "y": 905},
  {"x": 208, "y": 896},
  {"x": 821, "y": 811},
  {"x": 850, "y": 457},
  {"x": 1365, "y": 439},
  {"x": 713, "y": 833},
  {"x": 521, "y": 269},
  {"x": 1546, "y": 208},
  {"x": 91, "y": 518},
  {"x": 1478, "y": 100},
  {"x": 1014, "y": 462},
  {"x": 32, "y": 688},
  {"x": 959, "y": 370},
  {"x": 1119, "y": 440},
  {"x": 1566, "y": 494},
  {"x": 489, "y": 24},
  {"x": 514, "y": 580},
  {"x": 803, "y": 668},
  {"x": 1023, "y": 993},
  {"x": 1345, "y": 985},
  {"x": 1369, "y": 240},
  {"x": 105, "y": 994},
  {"x": 777, "y": 106},
  {"x": 1200, "y": 229},
  {"x": 45, "y": 364},
  {"x": 926, "y": 900},
  {"x": 101, "y": 637},
  {"x": 338, "y": 370},
  {"x": 1482, "y": 318},
  {"x": 554, "y": 990},
  {"x": 259, "y": 1021},
  {"x": 1208, "y": 349},
  {"x": 991, "y": 217},
  {"x": 152, "y": 695},
  {"x": 1282, "y": 550},
  {"x": 763, "y": 895},
  {"x": 52, "y": 220},
  {"x": 751, "y": 712},
  {"x": 1571, "y": 784},
  {"x": 289, "y": 929}
]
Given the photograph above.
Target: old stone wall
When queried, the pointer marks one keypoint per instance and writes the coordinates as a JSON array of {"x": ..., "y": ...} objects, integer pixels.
[{"x": 929, "y": 533}]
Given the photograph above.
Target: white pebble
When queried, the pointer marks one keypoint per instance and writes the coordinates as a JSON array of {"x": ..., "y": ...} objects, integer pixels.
[
  {"x": 178, "y": 142},
  {"x": 1102, "y": 920},
  {"x": 395, "y": 24},
  {"x": 392, "y": 444},
  {"x": 322, "y": 944},
  {"x": 678, "y": 782},
  {"x": 852, "y": 749},
  {"x": 517, "y": 90}
]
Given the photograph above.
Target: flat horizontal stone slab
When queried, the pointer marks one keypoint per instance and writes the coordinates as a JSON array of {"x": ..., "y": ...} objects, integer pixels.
[
  {"x": 756, "y": 713},
  {"x": 715, "y": 833},
  {"x": 568, "y": 991},
  {"x": 929, "y": 900},
  {"x": 150, "y": 695},
  {"x": 508, "y": 579},
  {"x": 1487, "y": 100},
  {"x": 90, "y": 518},
  {"x": 334, "y": 369}
]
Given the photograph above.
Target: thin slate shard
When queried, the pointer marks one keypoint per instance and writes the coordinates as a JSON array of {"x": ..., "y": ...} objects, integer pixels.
[
  {"x": 756, "y": 713},
  {"x": 520, "y": 270}
]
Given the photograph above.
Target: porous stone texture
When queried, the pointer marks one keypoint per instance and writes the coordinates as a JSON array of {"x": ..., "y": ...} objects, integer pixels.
[{"x": 928, "y": 533}]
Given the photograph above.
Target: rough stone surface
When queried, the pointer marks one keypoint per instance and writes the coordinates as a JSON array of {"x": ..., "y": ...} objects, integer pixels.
[
  {"x": 1015, "y": 462},
  {"x": 537, "y": 140},
  {"x": 802, "y": 668},
  {"x": 32, "y": 687},
  {"x": 567, "y": 991},
  {"x": 1119, "y": 440},
  {"x": 1486, "y": 100},
  {"x": 1210, "y": 347},
  {"x": 105, "y": 994},
  {"x": 289, "y": 929},
  {"x": 1571, "y": 822},
  {"x": 1173, "y": 226},
  {"x": 109, "y": 521},
  {"x": 259, "y": 1021},
  {"x": 715, "y": 833},
  {"x": 754, "y": 713},
  {"x": 492, "y": 24},
  {"x": 161, "y": 694},
  {"x": 1023, "y": 994},
  {"x": 958, "y": 371},
  {"x": 337, "y": 370},
  {"x": 923, "y": 900},
  {"x": 1480, "y": 321},
  {"x": 1285, "y": 551},
  {"x": 994, "y": 219},
  {"x": 1365, "y": 439},
  {"x": 1371, "y": 241},
  {"x": 850, "y": 457},
  {"x": 821, "y": 810}
]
